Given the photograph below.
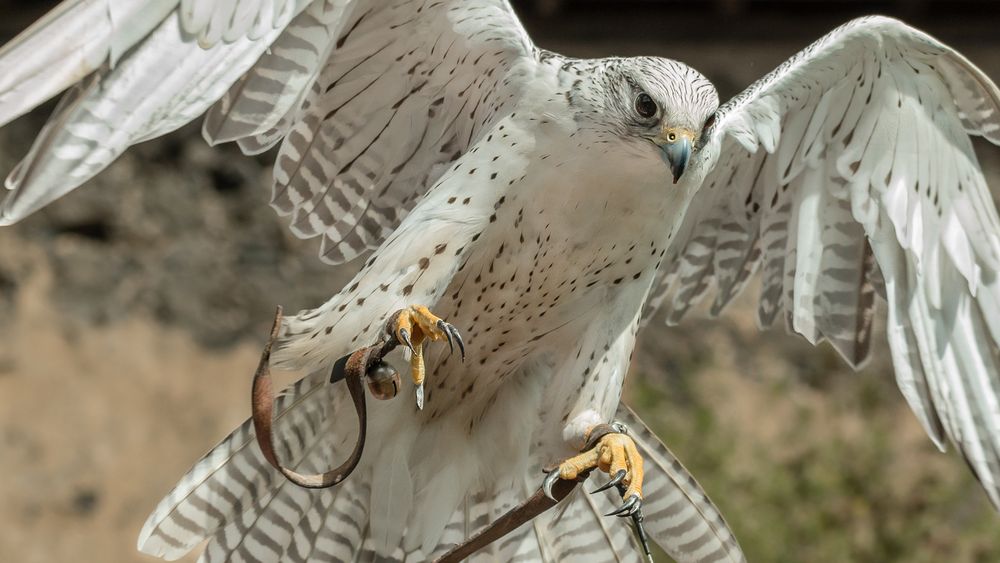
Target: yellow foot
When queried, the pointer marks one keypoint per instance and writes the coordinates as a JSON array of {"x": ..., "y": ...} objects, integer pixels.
[
  {"x": 613, "y": 452},
  {"x": 412, "y": 327}
]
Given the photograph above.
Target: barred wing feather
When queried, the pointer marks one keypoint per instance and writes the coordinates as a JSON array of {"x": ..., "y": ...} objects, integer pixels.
[
  {"x": 373, "y": 99},
  {"x": 849, "y": 172},
  {"x": 138, "y": 72},
  {"x": 389, "y": 111},
  {"x": 679, "y": 516}
]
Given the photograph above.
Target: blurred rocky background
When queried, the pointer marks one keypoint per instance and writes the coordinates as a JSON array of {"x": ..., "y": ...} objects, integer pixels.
[{"x": 132, "y": 312}]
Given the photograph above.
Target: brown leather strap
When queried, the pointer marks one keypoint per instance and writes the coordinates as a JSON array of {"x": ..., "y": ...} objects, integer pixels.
[
  {"x": 599, "y": 431},
  {"x": 351, "y": 368},
  {"x": 512, "y": 520}
]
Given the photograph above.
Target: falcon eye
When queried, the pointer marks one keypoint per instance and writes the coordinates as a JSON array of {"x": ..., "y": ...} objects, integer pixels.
[
  {"x": 645, "y": 106},
  {"x": 709, "y": 122}
]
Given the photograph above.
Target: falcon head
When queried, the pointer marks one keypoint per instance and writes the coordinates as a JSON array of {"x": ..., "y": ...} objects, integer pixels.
[{"x": 661, "y": 107}]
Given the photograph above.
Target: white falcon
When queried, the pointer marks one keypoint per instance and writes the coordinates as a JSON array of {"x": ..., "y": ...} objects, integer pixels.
[{"x": 540, "y": 204}]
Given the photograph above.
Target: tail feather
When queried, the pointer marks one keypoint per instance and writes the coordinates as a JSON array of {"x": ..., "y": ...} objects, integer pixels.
[
  {"x": 345, "y": 526},
  {"x": 234, "y": 476},
  {"x": 308, "y": 530},
  {"x": 294, "y": 524},
  {"x": 679, "y": 516},
  {"x": 265, "y": 531},
  {"x": 251, "y": 513},
  {"x": 526, "y": 546},
  {"x": 475, "y": 512},
  {"x": 579, "y": 531},
  {"x": 392, "y": 500},
  {"x": 305, "y": 528}
]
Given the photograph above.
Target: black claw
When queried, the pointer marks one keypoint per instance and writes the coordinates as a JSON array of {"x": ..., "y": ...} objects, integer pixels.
[
  {"x": 453, "y": 336},
  {"x": 628, "y": 508},
  {"x": 458, "y": 338},
  {"x": 549, "y": 482},
  {"x": 443, "y": 327},
  {"x": 619, "y": 476},
  {"x": 405, "y": 335},
  {"x": 636, "y": 503}
]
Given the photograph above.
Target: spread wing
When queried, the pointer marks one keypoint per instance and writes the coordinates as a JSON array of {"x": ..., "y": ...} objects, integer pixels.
[
  {"x": 373, "y": 99},
  {"x": 850, "y": 171},
  {"x": 135, "y": 70}
]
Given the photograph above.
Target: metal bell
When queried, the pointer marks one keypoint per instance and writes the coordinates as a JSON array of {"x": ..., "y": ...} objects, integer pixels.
[{"x": 383, "y": 381}]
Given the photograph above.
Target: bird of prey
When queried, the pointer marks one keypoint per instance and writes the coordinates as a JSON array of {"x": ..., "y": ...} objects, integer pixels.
[{"x": 539, "y": 207}]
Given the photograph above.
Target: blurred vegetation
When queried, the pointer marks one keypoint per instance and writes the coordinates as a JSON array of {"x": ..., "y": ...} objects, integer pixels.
[{"x": 806, "y": 460}]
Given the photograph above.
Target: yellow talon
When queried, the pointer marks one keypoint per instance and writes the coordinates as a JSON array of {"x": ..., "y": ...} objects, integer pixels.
[
  {"x": 576, "y": 465},
  {"x": 614, "y": 453},
  {"x": 417, "y": 369},
  {"x": 428, "y": 322},
  {"x": 617, "y": 455},
  {"x": 414, "y": 325}
]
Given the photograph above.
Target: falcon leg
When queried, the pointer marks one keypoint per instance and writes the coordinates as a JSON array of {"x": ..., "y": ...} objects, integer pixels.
[
  {"x": 414, "y": 327},
  {"x": 610, "y": 449}
]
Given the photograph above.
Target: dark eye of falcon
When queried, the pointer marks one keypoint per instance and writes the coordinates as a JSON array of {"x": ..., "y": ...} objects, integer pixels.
[
  {"x": 709, "y": 122},
  {"x": 645, "y": 106}
]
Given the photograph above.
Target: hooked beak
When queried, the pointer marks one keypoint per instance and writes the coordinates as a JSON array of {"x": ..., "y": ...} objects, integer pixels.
[{"x": 676, "y": 145}]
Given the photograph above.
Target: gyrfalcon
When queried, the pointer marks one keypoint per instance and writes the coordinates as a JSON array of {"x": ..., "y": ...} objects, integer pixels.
[{"x": 543, "y": 206}]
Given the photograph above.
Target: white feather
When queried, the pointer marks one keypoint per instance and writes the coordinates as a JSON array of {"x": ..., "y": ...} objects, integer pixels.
[
  {"x": 877, "y": 116},
  {"x": 70, "y": 42}
]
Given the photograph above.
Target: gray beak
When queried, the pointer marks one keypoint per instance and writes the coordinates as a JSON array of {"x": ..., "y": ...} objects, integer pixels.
[{"x": 677, "y": 154}]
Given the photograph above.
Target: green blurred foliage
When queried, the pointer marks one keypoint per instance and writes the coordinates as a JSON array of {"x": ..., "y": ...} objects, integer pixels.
[{"x": 807, "y": 461}]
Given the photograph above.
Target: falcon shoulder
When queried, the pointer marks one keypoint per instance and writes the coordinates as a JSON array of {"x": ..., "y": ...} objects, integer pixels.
[
  {"x": 372, "y": 99},
  {"x": 848, "y": 172}
]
